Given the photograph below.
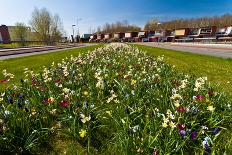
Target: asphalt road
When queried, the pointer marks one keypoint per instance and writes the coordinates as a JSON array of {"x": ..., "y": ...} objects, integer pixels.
[
  {"x": 218, "y": 50},
  {"x": 14, "y": 53}
]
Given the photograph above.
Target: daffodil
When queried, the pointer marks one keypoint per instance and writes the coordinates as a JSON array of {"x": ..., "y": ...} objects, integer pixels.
[
  {"x": 109, "y": 113},
  {"x": 82, "y": 133},
  {"x": 164, "y": 125},
  {"x": 211, "y": 108},
  {"x": 133, "y": 82},
  {"x": 84, "y": 119},
  {"x": 172, "y": 124},
  {"x": 86, "y": 93},
  {"x": 177, "y": 103}
]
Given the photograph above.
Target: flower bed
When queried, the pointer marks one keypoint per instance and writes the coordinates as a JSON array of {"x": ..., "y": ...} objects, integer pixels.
[{"x": 116, "y": 100}]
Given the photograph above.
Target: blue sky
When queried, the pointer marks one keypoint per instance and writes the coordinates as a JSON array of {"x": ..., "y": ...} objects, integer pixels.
[{"x": 98, "y": 12}]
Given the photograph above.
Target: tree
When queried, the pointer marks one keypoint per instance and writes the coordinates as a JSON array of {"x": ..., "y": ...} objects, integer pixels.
[
  {"x": 117, "y": 27},
  {"x": 48, "y": 27},
  {"x": 225, "y": 20},
  {"x": 56, "y": 28},
  {"x": 21, "y": 32}
]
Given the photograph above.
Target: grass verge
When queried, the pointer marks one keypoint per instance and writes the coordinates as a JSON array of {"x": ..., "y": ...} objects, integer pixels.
[
  {"x": 35, "y": 62},
  {"x": 218, "y": 70}
]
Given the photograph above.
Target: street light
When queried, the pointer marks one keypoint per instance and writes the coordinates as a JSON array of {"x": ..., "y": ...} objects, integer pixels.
[
  {"x": 73, "y": 33},
  {"x": 160, "y": 31},
  {"x": 78, "y": 34}
]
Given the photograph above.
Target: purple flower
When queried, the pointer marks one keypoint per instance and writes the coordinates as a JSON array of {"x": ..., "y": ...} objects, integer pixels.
[
  {"x": 216, "y": 130},
  {"x": 19, "y": 104},
  {"x": 10, "y": 99},
  {"x": 194, "y": 135},
  {"x": 21, "y": 96},
  {"x": 127, "y": 110},
  {"x": 182, "y": 133},
  {"x": 207, "y": 148}
]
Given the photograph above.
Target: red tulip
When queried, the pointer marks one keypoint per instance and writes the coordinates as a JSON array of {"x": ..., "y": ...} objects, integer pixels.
[
  {"x": 64, "y": 103},
  {"x": 180, "y": 109}
]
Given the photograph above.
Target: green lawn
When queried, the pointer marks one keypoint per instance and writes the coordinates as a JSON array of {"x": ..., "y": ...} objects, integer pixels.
[
  {"x": 35, "y": 62},
  {"x": 218, "y": 70}
]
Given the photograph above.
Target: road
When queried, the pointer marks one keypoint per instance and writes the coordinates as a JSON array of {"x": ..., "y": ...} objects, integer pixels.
[
  {"x": 218, "y": 50},
  {"x": 22, "y": 52}
]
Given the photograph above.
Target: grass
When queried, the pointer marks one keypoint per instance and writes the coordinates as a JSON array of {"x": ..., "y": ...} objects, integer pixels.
[
  {"x": 35, "y": 62},
  {"x": 13, "y": 45},
  {"x": 218, "y": 70}
]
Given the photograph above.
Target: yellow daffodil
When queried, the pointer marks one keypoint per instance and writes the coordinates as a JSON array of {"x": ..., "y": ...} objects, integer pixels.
[
  {"x": 211, "y": 108},
  {"x": 177, "y": 103},
  {"x": 172, "y": 125},
  {"x": 82, "y": 133},
  {"x": 164, "y": 125},
  {"x": 86, "y": 93},
  {"x": 109, "y": 113},
  {"x": 133, "y": 82}
]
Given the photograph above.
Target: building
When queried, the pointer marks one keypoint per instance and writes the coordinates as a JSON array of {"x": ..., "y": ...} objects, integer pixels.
[
  {"x": 29, "y": 37},
  {"x": 4, "y": 35}
]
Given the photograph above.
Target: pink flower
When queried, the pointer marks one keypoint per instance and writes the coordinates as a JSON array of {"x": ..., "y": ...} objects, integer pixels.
[
  {"x": 200, "y": 97},
  {"x": 180, "y": 109},
  {"x": 64, "y": 103},
  {"x": 4, "y": 81}
]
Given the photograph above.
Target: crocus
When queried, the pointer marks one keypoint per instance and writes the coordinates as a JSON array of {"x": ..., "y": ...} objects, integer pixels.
[
  {"x": 21, "y": 96},
  {"x": 127, "y": 110},
  {"x": 19, "y": 104},
  {"x": 216, "y": 130},
  {"x": 10, "y": 99},
  {"x": 64, "y": 103},
  {"x": 182, "y": 132},
  {"x": 194, "y": 135}
]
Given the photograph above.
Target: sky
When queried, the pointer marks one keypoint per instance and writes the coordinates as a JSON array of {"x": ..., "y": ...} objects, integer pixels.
[{"x": 88, "y": 14}]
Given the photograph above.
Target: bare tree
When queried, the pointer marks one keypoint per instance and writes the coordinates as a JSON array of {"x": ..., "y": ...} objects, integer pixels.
[
  {"x": 225, "y": 20},
  {"x": 56, "y": 28},
  {"x": 47, "y": 27},
  {"x": 117, "y": 27}
]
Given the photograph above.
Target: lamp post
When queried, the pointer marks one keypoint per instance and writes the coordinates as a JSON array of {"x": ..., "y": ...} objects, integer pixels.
[
  {"x": 78, "y": 19},
  {"x": 159, "y": 40},
  {"x": 73, "y": 34}
]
